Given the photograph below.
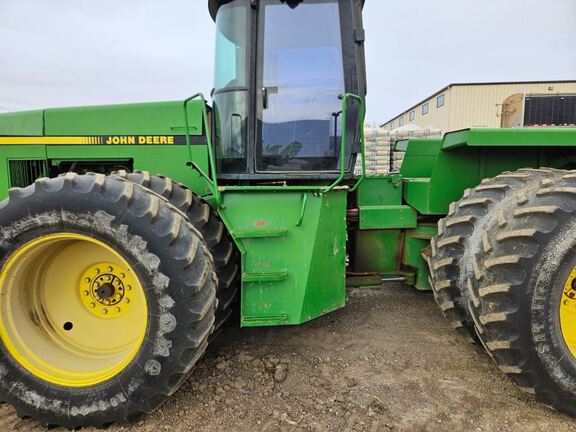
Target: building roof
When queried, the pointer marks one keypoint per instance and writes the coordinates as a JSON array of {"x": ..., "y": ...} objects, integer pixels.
[{"x": 449, "y": 86}]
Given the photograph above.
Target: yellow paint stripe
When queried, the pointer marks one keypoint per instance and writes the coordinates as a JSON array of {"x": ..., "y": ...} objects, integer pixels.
[{"x": 45, "y": 140}]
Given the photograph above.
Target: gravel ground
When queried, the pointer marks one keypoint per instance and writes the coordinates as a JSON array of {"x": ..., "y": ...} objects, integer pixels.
[{"x": 388, "y": 362}]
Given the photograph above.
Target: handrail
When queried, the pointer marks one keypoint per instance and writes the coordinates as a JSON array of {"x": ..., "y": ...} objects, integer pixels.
[
  {"x": 211, "y": 179},
  {"x": 362, "y": 145},
  {"x": 343, "y": 158}
]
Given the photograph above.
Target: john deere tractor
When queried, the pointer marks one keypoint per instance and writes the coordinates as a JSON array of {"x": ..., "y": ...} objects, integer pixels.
[{"x": 128, "y": 233}]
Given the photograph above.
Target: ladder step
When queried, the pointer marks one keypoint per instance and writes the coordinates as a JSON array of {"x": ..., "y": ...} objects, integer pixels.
[
  {"x": 259, "y": 233},
  {"x": 264, "y": 320},
  {"x": 264, "y": 277}
]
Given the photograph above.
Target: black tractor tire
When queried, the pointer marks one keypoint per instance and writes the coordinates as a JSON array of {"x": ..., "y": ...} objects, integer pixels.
[
  {"x": 176, "y": 273},
  {"x": 460, "y": 235},
  {"x": 526, "y": 267},
  {"x": 215, "y": 234}
]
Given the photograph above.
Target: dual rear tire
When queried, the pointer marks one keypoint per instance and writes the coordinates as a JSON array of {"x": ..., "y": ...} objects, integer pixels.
[{"x": 503, "y": 268}]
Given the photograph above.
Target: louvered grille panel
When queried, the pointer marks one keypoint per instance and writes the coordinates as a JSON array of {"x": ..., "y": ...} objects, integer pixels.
[
  {"x": 24, "y": 172},
  {"x": 550, "y": 111}
]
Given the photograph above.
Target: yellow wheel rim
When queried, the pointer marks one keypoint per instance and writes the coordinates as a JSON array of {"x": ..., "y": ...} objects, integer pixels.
[
  {"x": 72, "y": 310},
  {"x": 568, "y": 312}
]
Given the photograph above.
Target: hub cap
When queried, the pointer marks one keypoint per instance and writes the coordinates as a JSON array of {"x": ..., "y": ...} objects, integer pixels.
[
  {"x": 107, "y": 290},
  {"x": 72, "y": 311}
]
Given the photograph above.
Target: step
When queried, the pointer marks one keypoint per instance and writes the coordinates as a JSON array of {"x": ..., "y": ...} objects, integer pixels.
[
  {"x": 260, "y": 233},
  {"x": 264, "y": 277}
]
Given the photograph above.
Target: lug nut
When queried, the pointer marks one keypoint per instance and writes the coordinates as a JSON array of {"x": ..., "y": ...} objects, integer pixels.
[
  {"x": 104, "y": 311},
  {"x": 126, "y": 300},
  {"x": 118, "y": 310},
  {"x": 129, "y": 287},
  {"x": 92, "y": 305},
  {"x": 109, "y": 269},
  {"x": 86, "y": 293},
  {"x": 122, "y": 275},
  {"x": 87, "y": 280}
]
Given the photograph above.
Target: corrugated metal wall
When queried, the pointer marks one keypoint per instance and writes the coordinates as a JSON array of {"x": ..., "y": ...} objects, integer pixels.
[
  {"x": 472, "y": 105},
  {"x": 481, "y": 106}
]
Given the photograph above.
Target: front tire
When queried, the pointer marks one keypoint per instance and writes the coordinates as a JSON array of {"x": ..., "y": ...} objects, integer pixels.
[
  {"x": 76, "y": 253},
  {"x": 216, "y": 236}
]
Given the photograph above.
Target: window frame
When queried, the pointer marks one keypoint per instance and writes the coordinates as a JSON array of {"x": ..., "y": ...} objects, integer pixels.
[
  {"x": 412, "y": 115},
  {"x": 260, "y": 69},
  {"x": 425, "y": 108},
  {"x": 441, "y": 100}
]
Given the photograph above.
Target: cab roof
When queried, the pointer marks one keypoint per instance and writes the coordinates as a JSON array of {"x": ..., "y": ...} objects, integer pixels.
[{"x": 213, "y": 6}]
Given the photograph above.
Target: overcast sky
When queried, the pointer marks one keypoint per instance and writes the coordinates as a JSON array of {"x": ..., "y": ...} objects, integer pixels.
[{"x": 79, "y": 52}]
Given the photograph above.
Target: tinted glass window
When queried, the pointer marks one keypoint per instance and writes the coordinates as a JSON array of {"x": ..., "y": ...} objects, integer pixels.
[
  {"x": 302, "y": 76},
  {"x": 231, "y": 46},
  {"x": 231, "y": 96}
]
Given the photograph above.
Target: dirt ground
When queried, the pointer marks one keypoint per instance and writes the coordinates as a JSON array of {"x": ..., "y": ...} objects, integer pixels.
[{"x": 388, "y": 362}]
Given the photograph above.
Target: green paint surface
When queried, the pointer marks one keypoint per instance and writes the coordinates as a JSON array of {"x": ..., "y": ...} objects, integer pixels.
[
  {"x": 155, "y": 118},
  {"x": 293, "y": 269},
  {"x": 30, "y": 123}
]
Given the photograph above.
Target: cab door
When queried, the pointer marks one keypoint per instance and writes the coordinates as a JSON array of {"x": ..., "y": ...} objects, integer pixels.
[{"x": 300, "y": 77}]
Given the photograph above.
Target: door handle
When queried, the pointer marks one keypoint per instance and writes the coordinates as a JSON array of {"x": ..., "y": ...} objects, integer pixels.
[
  {"x": 266, "y": 92},
  {"x": 265, "y": 97}
]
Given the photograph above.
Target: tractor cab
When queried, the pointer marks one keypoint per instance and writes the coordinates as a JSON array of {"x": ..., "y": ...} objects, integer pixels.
[{"x": 282, "y": 67}]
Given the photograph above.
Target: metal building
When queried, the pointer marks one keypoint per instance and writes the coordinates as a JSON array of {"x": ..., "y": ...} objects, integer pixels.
[{"x": 493, "y": 105}]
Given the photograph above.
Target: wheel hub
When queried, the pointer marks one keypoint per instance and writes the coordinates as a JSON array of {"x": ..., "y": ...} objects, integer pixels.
[
  {"x": 106, "y": 290},
  {"x": 73, "y": 311},
  {"x": 569, "y": 297}
]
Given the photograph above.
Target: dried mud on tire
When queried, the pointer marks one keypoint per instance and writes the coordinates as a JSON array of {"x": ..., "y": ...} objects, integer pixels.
[{"x": 387, "y": 362}]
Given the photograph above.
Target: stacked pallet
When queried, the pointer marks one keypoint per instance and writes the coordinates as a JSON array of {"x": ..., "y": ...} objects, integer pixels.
[
  {"x": 379, "y": 142},
  {"x": 378, "y": 146}
]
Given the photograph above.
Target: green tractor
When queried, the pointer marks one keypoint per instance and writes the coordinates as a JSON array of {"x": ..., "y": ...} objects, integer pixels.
[{"x": 113, "y": 280}]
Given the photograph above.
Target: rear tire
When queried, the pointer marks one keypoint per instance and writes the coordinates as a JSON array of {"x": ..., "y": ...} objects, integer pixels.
[
  {"x": 526, "y": 294},
  {"x": 462, "y": 234},
  {"x": 216, "y": 236},
  {"x": 57, "y": 227}
]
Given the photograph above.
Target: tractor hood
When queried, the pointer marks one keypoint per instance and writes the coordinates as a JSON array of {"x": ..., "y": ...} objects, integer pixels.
[{"x": 143, "y": 119}]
